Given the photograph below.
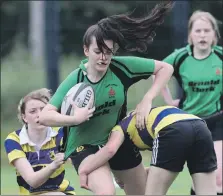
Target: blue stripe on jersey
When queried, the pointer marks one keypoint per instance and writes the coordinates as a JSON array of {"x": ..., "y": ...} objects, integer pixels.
[
  {"x": 125, "y": 122},
  {"x": 18, "y": 131},
  {"x": 11, "y": 145},
  {"x": 50, "y": 185},
  {"x": 44, "y": 156},
  {"x": 59, "y": 136},
  {"x": 165, "y": 113},
  {"x": 69, "y": 188}
]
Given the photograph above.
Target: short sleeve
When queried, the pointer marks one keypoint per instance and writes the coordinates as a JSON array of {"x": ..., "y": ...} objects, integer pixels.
[
  {"x": 64, "y": 87},
  {"x": 13, "y": 148},
  {"x": 170, "y": 59},
  {"x": 135, "y": 66}
]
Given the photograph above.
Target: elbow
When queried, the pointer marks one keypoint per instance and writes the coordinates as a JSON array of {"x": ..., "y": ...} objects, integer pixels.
[
  {"x": 33, "y": 183},
  {"x": 111, "y": 151},
  {"x": 169, "y": 69}
]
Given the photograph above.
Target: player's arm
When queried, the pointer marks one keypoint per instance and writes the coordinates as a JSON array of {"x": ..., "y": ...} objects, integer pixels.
[
  {"x": 50, "y": 115},
  {"x": 163, "y": 72},
  {"x": 36, "y": 179},
  {"x": 168, "y": 96},
  {"x": 103, "y": 155}
]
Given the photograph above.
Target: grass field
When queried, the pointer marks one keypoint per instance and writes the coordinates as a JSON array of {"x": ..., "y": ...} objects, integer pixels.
[
  {"x": 18, "y": 77},
  {"x": 9, "y": 187}
]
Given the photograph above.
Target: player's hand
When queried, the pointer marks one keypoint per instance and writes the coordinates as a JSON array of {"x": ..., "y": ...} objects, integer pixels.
[
  {"x": 58, "y": 161},
  {"x": 142, "y": 111},
  {"x": 83, "y": 181},
  {"x": 82, "y": 114}
]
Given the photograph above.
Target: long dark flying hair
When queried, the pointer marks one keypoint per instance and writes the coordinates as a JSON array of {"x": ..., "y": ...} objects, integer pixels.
[{"x": 129, "y": 33}]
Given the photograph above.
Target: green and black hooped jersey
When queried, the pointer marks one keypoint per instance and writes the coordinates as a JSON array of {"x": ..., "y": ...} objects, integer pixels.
[
  {"x": 110, "y": 95},
  {"x": 201, "y": 80}
]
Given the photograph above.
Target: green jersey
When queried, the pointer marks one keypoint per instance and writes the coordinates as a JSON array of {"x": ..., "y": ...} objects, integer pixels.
[
  {"x": 110, "y": 95},
  {"x": 200, "y": 79}
]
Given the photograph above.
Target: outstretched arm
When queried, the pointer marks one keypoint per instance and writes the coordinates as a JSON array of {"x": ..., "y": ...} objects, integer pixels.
[{"x": 168, "y": 96}]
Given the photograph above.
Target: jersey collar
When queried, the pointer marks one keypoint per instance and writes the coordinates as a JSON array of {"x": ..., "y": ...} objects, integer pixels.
[
  {"x": 24, "y": 138},
  {"x": 190, "y": 49}
]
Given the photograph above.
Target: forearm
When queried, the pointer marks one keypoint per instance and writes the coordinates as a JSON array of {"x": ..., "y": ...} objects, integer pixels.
[
  {"x": 161, "y": 79},
  {"x": 54, "y": 118},
  {"x": 167, "y": 95},
  {"x": 97, "y": 160},
  {"x": 40, "y": 177}
]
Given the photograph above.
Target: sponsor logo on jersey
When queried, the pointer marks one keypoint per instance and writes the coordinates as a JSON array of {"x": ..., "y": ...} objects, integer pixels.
[
  {"x": 80, "y": 148},
  {"x": 104, "y": 108},
  {"x": 218, "y": 71},
  {"x": 204, "y": 86},
  {"x": 52, "y": 155},
  {"x": 111, "y": 93}
]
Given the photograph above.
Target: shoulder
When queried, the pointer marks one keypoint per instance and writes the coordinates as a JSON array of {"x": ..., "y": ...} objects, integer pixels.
[
  {"x": 218, "y": 48},
  {"x": 14, "y": 136},
  {"x": 12, "y": 142},
  {"x": 74, "y": 74},
  {"x": 182, "y": 51}
]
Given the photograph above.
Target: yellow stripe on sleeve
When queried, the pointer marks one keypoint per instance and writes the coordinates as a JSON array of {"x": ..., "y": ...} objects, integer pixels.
[
  {"x": 117, "y": 128},
  {"x": 13, "y": 136},
  {"x": 16, "y": 154}
]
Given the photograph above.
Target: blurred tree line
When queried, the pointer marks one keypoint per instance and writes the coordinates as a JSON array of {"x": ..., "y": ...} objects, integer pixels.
[{"x": 77, "y": 16}]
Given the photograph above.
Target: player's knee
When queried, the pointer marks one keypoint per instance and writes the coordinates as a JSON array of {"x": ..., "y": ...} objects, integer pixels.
[{"x": 219, "y": 179}]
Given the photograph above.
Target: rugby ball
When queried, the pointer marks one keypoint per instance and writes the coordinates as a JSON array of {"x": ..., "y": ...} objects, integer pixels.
[{"x": 81, "y": 94}]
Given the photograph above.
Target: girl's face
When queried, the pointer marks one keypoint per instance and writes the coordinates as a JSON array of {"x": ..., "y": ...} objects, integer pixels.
[
  {"x": 33, "y": 108},
  {"x": 202, "y": 34},
  {"x": 100, "y": 61}
]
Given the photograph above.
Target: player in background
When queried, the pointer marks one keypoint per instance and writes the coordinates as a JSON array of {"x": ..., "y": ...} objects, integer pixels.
[
  {"x": 198, "y": 70},
  {"x": 174, "y": 137},
  {"x": 111, "y": 76},
  {"x": 33, "y": 150}
]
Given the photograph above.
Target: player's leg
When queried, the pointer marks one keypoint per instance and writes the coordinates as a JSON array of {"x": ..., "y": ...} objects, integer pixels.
[
  {"x": 159, "y": 181},
  {"x": 100, "y": 181},
  {"x": 202, "y": 160},
  {"x": 218, "y": 150},
  {"x": 170, "y": 149},
  {"x": 134, "y": 179},
  {"x": 127, "y": 168},
  {"x": 217, "y": 135}
]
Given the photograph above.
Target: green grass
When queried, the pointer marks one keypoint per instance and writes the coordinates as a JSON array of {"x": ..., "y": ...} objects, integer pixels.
[
  {"x": 180, "y": 186},
  {"x": 18, "y": 77}
]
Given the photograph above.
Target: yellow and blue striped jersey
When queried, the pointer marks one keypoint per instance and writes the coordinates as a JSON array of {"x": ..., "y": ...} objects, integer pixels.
[
  {"x": 18, "y": 145},
  {"x": 159, "y": 118}
]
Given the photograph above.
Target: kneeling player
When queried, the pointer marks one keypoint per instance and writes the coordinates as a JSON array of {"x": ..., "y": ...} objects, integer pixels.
[{"x": 174, "y": 137}]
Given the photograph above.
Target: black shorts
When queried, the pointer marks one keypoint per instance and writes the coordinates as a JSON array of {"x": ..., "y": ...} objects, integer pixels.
[
  {"x": 127, "y": 156},
  {"x": 216, "y": 128},
  {"x": 183, "y": 141},
  {"x": 81, "y": 153}
]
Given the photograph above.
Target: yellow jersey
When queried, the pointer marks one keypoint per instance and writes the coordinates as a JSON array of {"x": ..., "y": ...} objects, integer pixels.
[
  {"x": 18, "y": 145},
  {"x": 158, "y": 118}
]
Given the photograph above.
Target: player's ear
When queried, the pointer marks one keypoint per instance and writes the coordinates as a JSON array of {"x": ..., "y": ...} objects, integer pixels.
[
  {"x": 86, "y": 51},
  {"x": 24, "y": 118}
]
